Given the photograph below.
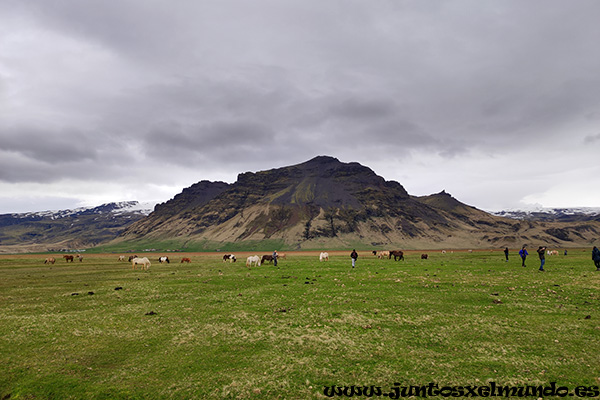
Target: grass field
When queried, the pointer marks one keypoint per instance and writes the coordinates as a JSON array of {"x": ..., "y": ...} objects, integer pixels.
[{"x": 213, "y": 330}]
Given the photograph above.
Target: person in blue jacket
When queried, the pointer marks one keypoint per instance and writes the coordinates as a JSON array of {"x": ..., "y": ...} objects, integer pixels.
[{"x": 523, "y": 253}]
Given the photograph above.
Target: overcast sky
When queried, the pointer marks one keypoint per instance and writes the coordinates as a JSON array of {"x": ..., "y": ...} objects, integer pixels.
[{"x": 496, "y": 102}]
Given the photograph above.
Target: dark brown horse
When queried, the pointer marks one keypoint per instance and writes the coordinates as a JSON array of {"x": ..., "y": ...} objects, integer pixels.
[
  {"x": 185, "y": 259},
  {"x": 398, "y": 255},
  {"x": 267, "y": 257},
  {"x": 68, "y": 258},
  {"x": 424, "y": 256}
]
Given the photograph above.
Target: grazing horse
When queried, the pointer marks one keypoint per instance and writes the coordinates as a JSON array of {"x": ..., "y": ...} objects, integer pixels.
[
  {"x": 382, "y": 254},
  {"x": 229, "y": 257},
  {"x": 281, "y": 256},
  {"x": 144, "y": 262},
  {"x": 121, "y": 258},
  {"x": 374, "y": 252},
  {"x": 164, "y": 259},
  {"x": 324, "y": 256},
  {"x": 80, "y": 257},
  {"x": 50, "y": 260},
  {"x": 68, "y": 257},
  {"x": 253, "y": 260},
  {"x": 424, "y": 256},
  {"x": 398, "y": 255},
  {"x": 132, "y": 257},
  {"x": 266, "y": 257},
  {"x": 185, "y": 259}
]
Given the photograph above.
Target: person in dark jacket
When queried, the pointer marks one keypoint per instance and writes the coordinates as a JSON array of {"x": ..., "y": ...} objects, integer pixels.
[
  {"x": 596, "y": 257},
  {"x": 354, "y": 256},
  {"x": 523, "y": 253},
  {"x": 542, "y": 253},
  {"x": 506, "y": 253}
]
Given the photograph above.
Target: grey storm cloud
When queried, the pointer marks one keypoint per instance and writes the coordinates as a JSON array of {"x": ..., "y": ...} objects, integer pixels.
[{"x": 120, "y": 91}]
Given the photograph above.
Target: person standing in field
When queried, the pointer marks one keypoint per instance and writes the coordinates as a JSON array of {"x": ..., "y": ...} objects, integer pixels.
[
  {"x": 354, "y": 256},
  {"x": 542, "y": 253},
  {"x": 596, "y": 257},
  {"x": 506, "y": 253},
  {"x": 523, "y": 253},
  {"x": 275, "y": 258}
]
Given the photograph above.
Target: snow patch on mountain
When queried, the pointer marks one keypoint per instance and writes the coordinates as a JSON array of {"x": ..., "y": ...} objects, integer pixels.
[
  {"x": 536, "y": 212},
  {"x": 117, "y": 208}
]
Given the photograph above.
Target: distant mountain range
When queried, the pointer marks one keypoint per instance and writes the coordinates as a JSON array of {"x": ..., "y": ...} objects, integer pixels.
[
  {"x": 79, "y": 228},
  {"x": 552, "y": 214},
  {"x": 321, "y": 203}
]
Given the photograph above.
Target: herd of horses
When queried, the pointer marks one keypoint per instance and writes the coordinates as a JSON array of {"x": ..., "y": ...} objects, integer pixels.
[
  {"x": 255, "y": 260},
  {"x": 67, "y": 257}
]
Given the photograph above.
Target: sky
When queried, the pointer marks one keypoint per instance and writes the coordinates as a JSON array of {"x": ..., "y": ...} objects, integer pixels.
[{"x": 495, "y": 102}]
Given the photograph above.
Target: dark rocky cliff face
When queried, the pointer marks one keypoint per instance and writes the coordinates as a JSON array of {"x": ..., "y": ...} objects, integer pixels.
[
  {"x": 348, "y": 193},
  {"x": 191, "y": 198}
]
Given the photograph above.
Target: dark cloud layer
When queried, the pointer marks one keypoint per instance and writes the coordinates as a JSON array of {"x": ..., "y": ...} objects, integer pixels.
[{"x": 433, "y": 94}]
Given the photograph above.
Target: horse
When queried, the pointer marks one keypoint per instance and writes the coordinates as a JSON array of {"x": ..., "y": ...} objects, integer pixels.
[
  {"x": 68, "y": 257},
  {"x": 398, "y": 255},
  {"x": 50, "y": 260},
  {"x": 132, "y": 257},
  {"x": 144, "y": 262},
  {"x": 229, "y": 257},
  {"x": 374, "y": 252},
  {"x": 424, "y": 256},
  {"x": 253, "y": 260},
  {"x": 382, "y": 254},
  {"x": 324, "y": 256},
  {"x": 185, "y": 259},
  {"x": 164, "y": 259},
  {"x": 266, "y": 257},
  {"x": 281, "y": 256},
  {"x": 80, "y": 257},
  {"x": 121, "y": 258}
]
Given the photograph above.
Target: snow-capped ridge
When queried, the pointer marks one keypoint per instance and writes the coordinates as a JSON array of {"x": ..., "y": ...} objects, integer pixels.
[
  {"x": 118, "y": 208},
  {"x": 539, "y": 212}
]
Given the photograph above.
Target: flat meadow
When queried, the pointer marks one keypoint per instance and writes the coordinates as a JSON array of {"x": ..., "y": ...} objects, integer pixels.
[{"x": 98, "y": 329}]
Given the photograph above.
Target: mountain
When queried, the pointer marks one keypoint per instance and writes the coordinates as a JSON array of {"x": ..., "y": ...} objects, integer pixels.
[
  {"x": 553, "y": 214},
  {"x": 68, "y": 229},
  {"x": 325, "y": 203},
  {"x": 319, "y": 204}
]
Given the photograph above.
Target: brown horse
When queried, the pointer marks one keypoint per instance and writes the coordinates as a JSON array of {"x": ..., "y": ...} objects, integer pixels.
[
  {"x": 50, "y": 260},
  {"x": 398, "y": 255},
  {"x": 424, "y": 256},
  {"x": 185, "y": 259},
  {"x": 266, "y": 257},
  {"x": 68, "y": 258}
]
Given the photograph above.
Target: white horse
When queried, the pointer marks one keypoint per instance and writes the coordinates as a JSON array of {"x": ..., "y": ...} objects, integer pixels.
[
  {"x": 253, "y": 260},
  {"x": 163, "y": 259},
  {"x": 324, "y": 256},
  {"x": 143, "y": 261},
  {"x": 383, "y": 254}
]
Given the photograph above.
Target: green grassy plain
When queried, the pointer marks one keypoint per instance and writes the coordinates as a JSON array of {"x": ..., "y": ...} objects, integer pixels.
[{"x": 213, "y": 330}]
